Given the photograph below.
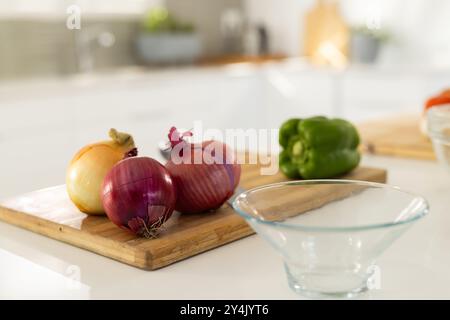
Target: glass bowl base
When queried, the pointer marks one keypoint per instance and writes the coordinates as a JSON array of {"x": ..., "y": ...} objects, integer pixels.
[
  {"x": 327, "y": 285},
  {"x": 327, "y": 295}
]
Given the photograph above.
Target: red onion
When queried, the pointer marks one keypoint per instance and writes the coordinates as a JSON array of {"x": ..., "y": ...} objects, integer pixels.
[
  {"x": 138, "y": 195},
  {"x": 205, "y": 175}
]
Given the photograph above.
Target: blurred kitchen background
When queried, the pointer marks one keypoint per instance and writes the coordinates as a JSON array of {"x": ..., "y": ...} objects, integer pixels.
[
  {"x": 397, "y": 33},
  {"x": 71, "y": 69}
]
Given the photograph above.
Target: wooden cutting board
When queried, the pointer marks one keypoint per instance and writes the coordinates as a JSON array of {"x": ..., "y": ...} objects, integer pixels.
[
  {"x": 396, "y": 136},
  {"x": 49, "y": 212}
]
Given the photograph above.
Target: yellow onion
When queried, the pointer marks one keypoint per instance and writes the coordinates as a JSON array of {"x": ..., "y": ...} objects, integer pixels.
[{"x": 88, "y": 169}]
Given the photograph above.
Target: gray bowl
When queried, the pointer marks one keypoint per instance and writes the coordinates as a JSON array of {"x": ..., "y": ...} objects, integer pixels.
[
  {"x": 364, "y": 48},
  {"x": 168, "y": 48}
]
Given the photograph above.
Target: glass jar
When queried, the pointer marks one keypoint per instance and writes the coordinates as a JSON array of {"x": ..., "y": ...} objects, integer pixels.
[{"x": 438, "y": 124}]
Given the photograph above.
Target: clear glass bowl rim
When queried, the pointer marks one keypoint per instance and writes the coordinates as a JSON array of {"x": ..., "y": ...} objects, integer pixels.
[{"x": 416, "y": 216}]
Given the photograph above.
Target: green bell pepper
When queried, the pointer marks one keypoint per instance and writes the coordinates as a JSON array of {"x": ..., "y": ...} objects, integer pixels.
[{"x": 318, "y": 148}]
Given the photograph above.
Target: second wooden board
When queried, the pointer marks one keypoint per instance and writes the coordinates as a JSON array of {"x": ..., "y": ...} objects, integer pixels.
[{"x": 396, "y": 136}]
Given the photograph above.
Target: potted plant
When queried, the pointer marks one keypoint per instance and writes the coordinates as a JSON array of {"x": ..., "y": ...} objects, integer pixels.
[
  {"x": 165, "y": 40},
  {"x": 365, "y": 44}
]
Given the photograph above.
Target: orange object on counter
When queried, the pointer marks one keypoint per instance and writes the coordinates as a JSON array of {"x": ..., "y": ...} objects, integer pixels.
[{"x": 442, "y": 98}]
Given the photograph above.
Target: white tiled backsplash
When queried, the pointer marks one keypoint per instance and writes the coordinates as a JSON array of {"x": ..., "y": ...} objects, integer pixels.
[
  {"x": 36, "y": 42},
  {"x": 39, "y": 48}
]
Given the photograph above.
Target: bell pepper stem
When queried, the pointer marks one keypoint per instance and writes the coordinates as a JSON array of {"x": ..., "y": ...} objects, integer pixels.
[{"x": 297, "y": 149}]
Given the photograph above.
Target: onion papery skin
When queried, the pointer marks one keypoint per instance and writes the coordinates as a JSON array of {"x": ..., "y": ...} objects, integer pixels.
[
  {"x": 139, "y": 195},
  {"x": 87, "y": 171},
  {"x": 89, "y": 166},
  {"x": 202, "y": 187}
]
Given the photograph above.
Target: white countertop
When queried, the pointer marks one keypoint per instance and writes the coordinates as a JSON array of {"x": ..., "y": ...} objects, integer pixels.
[
  {"x": 43, "y": 124},
  {"x": 416, "y": 266}
]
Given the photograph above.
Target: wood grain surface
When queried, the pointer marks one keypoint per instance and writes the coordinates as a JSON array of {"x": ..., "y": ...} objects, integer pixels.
[
  {"x": 396, "y": 136},
  {"x": 49, "y": 212}
]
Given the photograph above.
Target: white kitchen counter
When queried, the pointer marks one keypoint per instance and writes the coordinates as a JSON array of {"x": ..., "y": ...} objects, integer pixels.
[
  {"x": 416, "y": 266},
  {"x": 44, "y": 123}
]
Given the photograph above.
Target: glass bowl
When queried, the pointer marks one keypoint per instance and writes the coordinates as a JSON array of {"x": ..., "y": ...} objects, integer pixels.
[
  {"x": 329, "y": 232},
  {"x": 438, "y": 127}
]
